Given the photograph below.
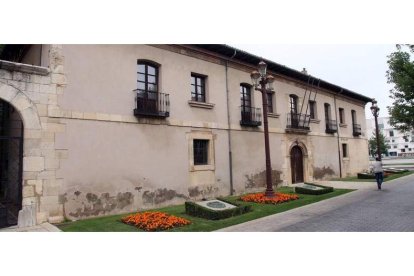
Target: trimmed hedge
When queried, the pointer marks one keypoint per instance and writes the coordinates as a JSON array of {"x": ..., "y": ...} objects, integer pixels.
[
  {"x": 195, "y": 210},
  {"x": 368, "y": 176},
  {"x": 325, "y": 190}
]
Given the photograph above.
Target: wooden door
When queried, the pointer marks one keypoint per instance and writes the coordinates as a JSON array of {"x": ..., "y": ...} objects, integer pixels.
[{"x": 296, "y": 164}]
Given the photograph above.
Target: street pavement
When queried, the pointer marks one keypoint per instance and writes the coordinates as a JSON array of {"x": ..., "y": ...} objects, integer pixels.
[
  {"x": 44, "y": 227},
  {"x": 365, "y": 210}
]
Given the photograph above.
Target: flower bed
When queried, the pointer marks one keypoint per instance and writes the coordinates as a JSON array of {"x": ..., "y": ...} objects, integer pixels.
[
  {"x": 154, "y": 221},
  {"x": 261, "y": 198}
]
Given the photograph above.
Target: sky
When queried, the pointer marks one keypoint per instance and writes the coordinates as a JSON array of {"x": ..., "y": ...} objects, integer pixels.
[{"x": 357, "y": 67}]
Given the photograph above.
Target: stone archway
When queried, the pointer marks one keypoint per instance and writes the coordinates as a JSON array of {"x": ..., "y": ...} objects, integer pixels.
[
  {"x": 296, "y": 165},
  {"x": 298, "y": 153},
  {"x": 27, "y": 112}
]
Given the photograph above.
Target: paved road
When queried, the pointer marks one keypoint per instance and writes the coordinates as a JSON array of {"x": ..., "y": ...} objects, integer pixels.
[{"x": 365, "y": 210}]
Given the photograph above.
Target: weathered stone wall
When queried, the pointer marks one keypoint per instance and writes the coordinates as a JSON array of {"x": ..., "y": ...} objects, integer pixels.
[{"x": 33, "y": 91}]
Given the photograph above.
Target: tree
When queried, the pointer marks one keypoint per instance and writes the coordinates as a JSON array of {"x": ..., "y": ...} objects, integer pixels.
[
  {"x": 401, "y": 74},
  {"x": 372, "y": 144}
]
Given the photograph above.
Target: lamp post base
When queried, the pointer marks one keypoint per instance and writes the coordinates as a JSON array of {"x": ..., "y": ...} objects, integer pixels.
[{"x": 269, "y": 193}]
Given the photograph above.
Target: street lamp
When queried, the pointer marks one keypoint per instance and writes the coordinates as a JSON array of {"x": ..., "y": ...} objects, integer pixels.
[
  {"x": 375, "y": 112},
  {"x": 264, "y": 83}
]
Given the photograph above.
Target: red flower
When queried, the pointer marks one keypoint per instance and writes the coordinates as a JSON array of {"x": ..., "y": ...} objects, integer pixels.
[
  {"x": 261, "y": 198},
  {"x": 153, "y": 221}
]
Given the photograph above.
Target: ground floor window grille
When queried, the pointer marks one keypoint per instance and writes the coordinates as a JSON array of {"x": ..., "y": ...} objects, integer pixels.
[{"x": 200, "y": 152}]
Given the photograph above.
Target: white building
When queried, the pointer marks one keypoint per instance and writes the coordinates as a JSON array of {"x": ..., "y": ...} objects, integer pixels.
[{"x": 401, "y": 144}]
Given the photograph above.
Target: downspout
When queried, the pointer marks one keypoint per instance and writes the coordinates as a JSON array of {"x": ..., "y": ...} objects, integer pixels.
[
  {"x": 40, "y": 58},
  {"x": 228, "y": 122},
  {"x": 337, "y": 136}
]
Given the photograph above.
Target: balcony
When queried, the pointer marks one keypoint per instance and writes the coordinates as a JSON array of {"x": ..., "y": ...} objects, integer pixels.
[
  {"x": 331, "y": 126},
  {"x": 297, "y": 122},
  {"x": 152, "y": 104},
  {"x": 251, "y": 116},
  {"x": 356, "y": 129}
]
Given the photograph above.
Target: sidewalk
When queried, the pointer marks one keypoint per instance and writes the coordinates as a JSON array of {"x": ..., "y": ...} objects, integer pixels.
[
  {"x": 44, "y": 227},
  {"x": 282, "y": 220}
]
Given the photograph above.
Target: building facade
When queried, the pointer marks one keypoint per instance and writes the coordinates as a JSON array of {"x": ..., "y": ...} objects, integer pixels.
[
  {"x": 400, "y": 144},
  {"x": 112, "y": 129}
]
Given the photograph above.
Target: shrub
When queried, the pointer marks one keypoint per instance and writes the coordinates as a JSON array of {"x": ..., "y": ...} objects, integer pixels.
[
  {"x": 304, "y": 190},
  {"x": 193, "y": 209},
  {"x": 369, "y": 175}
]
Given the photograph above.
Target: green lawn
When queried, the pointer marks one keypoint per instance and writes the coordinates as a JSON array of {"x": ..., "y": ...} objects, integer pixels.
[
  {"x": 112, "y": 223},
  {"x": 396, "y": 164},
  {"x": 389, "y": 178}
]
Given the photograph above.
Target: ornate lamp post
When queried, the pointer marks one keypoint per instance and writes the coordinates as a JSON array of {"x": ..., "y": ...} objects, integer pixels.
[
  {"x": 375, "y": 111},
  {"x": 264, "y": 84}
]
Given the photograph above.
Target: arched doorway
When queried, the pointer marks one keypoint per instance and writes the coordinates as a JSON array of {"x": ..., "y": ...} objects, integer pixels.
[
  {"x": 11, "y": 164},
  {"x": 296, "y": 164}
]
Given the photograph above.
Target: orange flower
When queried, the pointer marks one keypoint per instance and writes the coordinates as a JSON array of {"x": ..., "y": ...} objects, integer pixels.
[
  {"x": 153, "y": 221},
  {"x": 261, "y": 198}
]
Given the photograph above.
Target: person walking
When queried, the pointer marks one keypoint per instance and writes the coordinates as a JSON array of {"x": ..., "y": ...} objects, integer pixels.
[{"x": 379, "y": 172}]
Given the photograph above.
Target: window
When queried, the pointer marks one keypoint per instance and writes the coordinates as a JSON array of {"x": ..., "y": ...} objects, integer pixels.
[
  {"x": 200, "y": 152},
  {"x": 293, "y": 100},
  {"x": 341, "y": 116},
  {"x": 270, "y": 102},
  {"x": 198, "y": 88},
  {"x": 344, "y": 150},
  {"x": 391, "y": 133},
  {"x": 327, "y": 112},
  {"x": 312, "y": 109},
  {"x": 147, "y": 76},
  {"x": 406, "y": 146},
  {"x": 245, "y": 97},
  {"x": 402, "y": 150},
  {"x": 395, "y": 147},
  {"x": 409, "y": 149},
  {"x": 354, "y": 118}
]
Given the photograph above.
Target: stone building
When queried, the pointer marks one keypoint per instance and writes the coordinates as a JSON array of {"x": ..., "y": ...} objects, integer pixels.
[{"x": 106, "y": 129}]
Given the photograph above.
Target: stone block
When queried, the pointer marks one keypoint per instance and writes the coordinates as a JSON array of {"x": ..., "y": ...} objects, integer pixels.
[
  {"x": 66, "y": 113},
  {"x": 19, "y": 76},
  {"x": 33, "y": 164},
  {"x": 42, "y": 109},
  {"x": 41, "y": 217},
  {"x": 29, "y": 201},
  {"x": 60, "y": 89},
  {"x": 52, "y": 99},
  {"x": 21, "y": 102},
  {"x": 7, "y": 92},
  {"x": 51, "y": 187},
  {"x": 19, "y": 85},
  {"x": 102, "y": 116},
  {"x": 49, "y": 200},
  {"x": 45, "y": 79},
  {"x": 48, "y": 135},
  {"x": 28, "y": 191},
  {"x": 54, "y": 111},
  {"x": 47, "y": 174},
  {"x": 56, "y": 219},
  {"x": 4, "y": 74},
  {"x": 89, "y": 116},
  {"x": 47, "y": 145},
  {"x": 77, "y": 115},
  {"x": 32, "y": 134},
  {"x": 115, "y": 118},
  {"x": 58, "y": 78},
  {"x": 61, "y": 154},
  {"x": 30, "y": 175},
  {"x": 54, "y": 127},
  {"x": 33, "y": 87},
  {"x": 31, "y": 119},
  {"x": 37, "y": 184},
  {"x": 27, "y": 216},
  {"x": 52, "y": 163}
]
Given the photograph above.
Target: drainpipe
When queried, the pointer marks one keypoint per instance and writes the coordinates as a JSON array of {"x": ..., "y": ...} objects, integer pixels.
[
  {"x": 337, "y": 135},
  {"x": 228, "y": 122}
]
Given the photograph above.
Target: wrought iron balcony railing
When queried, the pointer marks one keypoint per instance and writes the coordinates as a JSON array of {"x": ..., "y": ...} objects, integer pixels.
[
  {"x": 356, "y": 129},
  {"x": 250, "y": 116},
  {"x": 298, "y": 121},
  {"x": 152, "y": 104},
  {"x": 331, "y": 126}
]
